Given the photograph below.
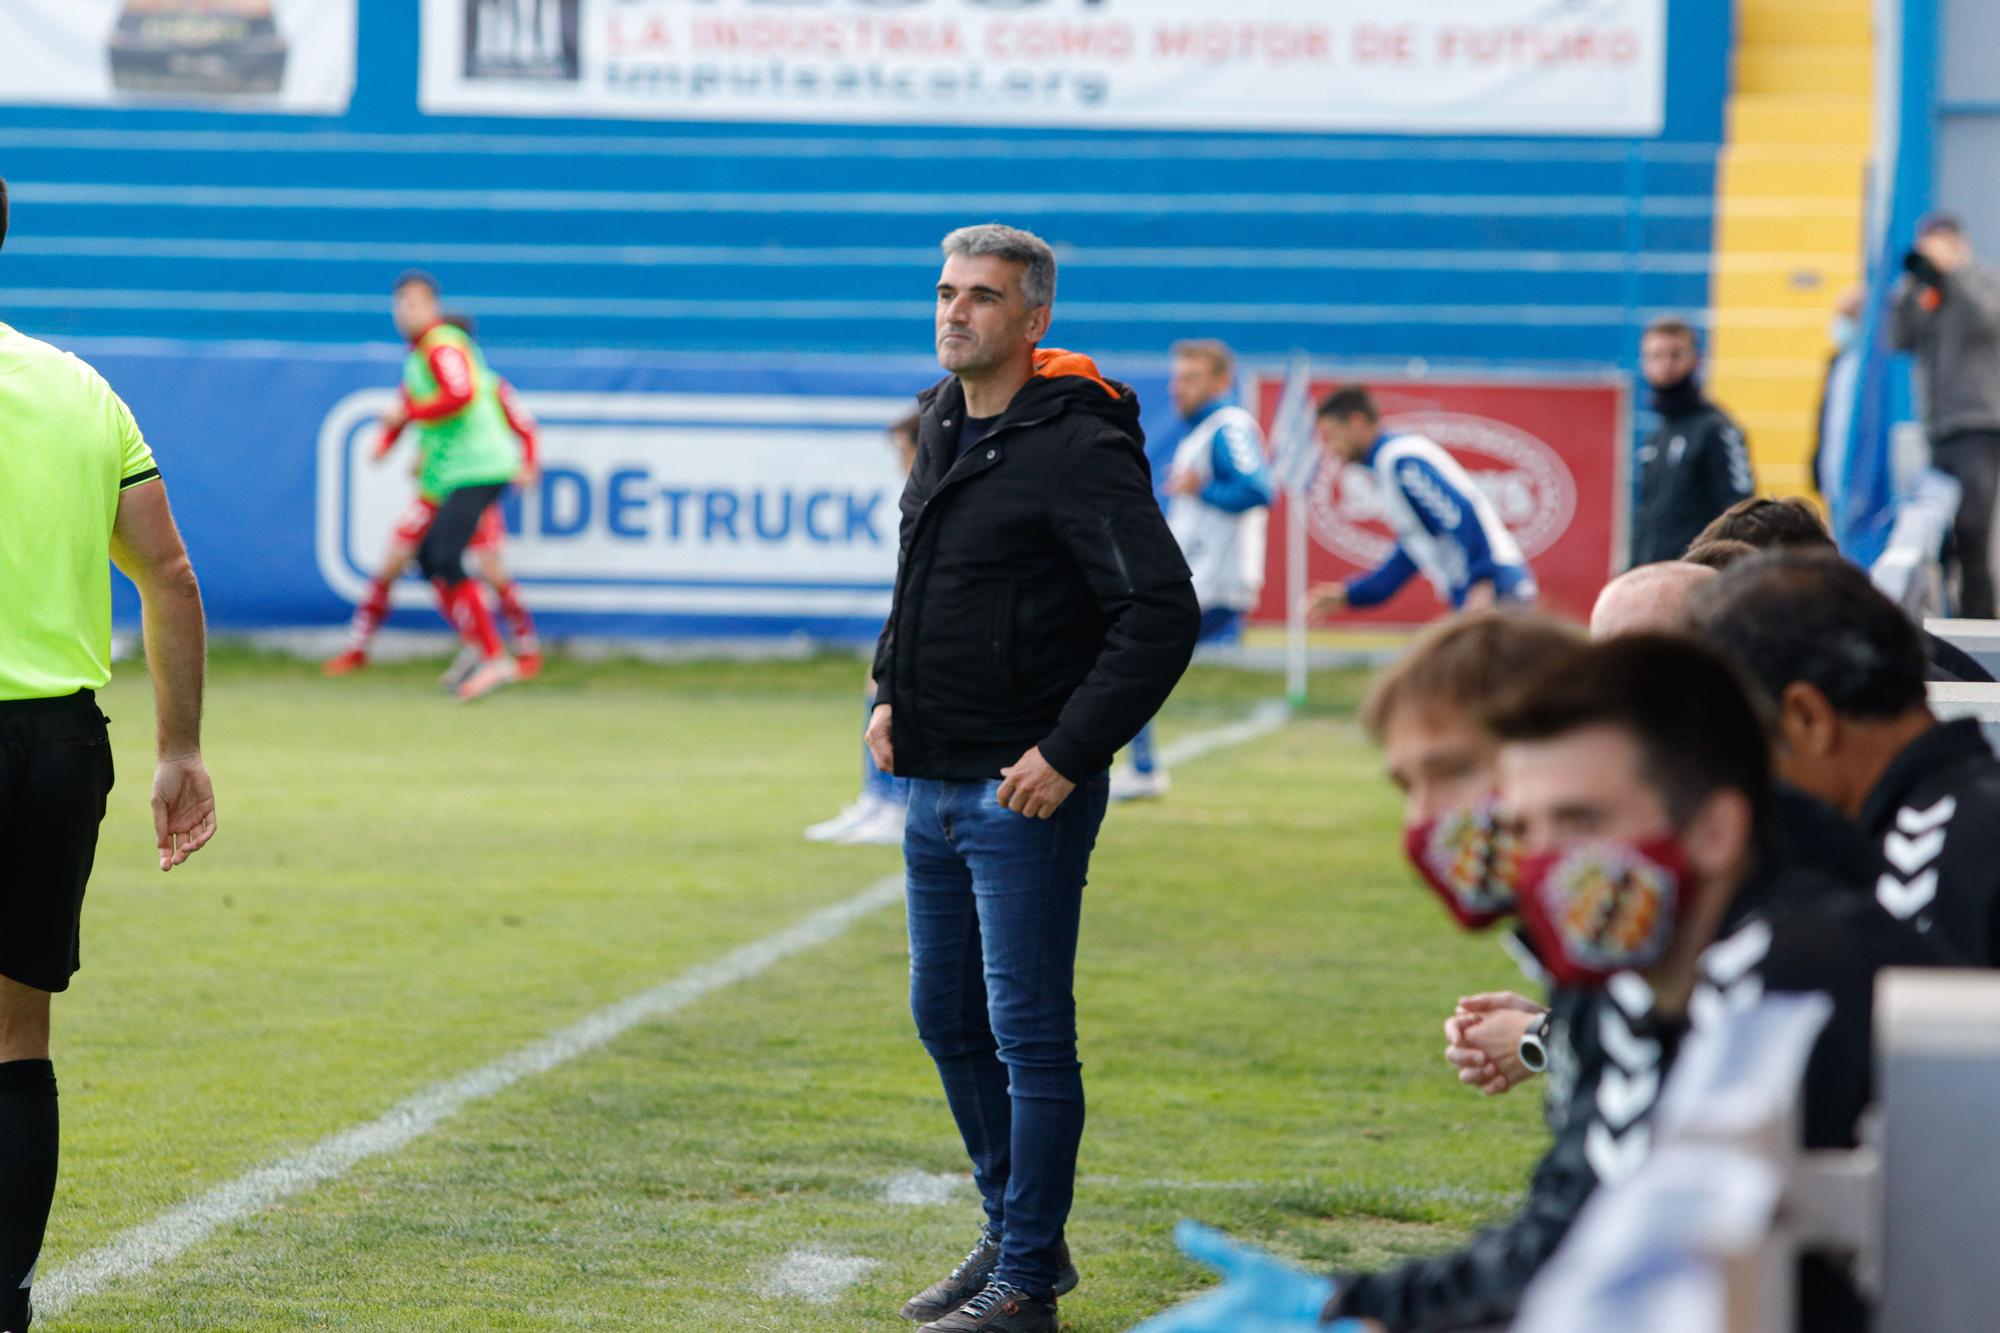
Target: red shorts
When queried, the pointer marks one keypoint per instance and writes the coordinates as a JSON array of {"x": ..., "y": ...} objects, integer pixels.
[{"x": 489, "y": 539}]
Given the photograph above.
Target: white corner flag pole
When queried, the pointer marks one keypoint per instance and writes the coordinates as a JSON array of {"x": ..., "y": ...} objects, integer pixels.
[
  {"x": 1297, "y": 458},
  {"x": 1295, "y": 592}
]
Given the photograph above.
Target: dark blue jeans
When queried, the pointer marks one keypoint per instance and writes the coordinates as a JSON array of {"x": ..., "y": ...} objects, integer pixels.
[{"x": 994, "y": 899}]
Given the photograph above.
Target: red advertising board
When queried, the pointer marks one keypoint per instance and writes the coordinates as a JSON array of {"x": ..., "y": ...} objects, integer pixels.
[{"x": 1550, "y": 454}]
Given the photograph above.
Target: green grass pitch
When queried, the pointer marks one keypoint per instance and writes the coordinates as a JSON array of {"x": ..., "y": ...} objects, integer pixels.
[{"x": 403, "y": 890}]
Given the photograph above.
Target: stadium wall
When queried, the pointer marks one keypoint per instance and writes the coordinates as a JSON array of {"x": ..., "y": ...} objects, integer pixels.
[{"x": 229, "y": 273}]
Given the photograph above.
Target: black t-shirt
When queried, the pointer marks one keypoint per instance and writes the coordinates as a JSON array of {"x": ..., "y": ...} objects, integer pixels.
[{"x": 971, "y": 432}]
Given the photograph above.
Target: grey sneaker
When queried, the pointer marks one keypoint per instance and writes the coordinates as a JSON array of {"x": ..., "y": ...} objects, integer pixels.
[
  {"x": 970, "y": 1278},
  {"x": 998, "y": 1308},
  {"x": 965, "y": 1282}
]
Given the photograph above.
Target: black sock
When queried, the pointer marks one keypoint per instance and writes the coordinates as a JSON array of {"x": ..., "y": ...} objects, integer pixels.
[{"x": 27, "y": 1178}]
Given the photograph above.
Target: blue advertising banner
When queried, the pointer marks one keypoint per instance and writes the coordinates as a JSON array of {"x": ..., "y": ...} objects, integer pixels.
[{"x": 679, "y": 495}]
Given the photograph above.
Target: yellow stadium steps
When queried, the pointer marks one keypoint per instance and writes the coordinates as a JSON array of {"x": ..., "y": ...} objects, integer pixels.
[
  {"x": 1790, "y": 118},
  {"x": 1803, "y": 69},
  {"x": 1760, "y": 23},
  {"x": 1806, "y": 287},
  {"x": 1766, "y": 172},
  {"x": 1740, "y": 233}
]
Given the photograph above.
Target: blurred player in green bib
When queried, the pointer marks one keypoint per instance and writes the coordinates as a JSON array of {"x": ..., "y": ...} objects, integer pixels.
[
  {"x": 468, "y": 456},
  {"x": 488, "y": 551}
]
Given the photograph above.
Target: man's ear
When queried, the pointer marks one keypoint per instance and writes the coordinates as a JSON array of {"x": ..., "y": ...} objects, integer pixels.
[
  {"x": 1720, "y": 835},
  {"x": 1808, "y": 724},
  {"x": 1038, "y": 322}
]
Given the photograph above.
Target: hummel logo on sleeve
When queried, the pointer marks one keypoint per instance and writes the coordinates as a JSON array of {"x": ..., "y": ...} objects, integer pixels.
[
  {"x": 1730, "y": 982},
  {"x": 1912, "y": 849},
  {"x": 1620, "y": 1132}
]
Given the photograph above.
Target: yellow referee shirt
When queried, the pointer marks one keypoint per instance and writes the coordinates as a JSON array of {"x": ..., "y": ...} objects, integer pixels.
[{"x": 68, "y": 447}]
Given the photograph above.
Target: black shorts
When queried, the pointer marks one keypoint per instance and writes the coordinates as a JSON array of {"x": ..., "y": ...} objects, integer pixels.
[
  {"x": 442, "y": 555},
  {"x": 55, "y": 772}
]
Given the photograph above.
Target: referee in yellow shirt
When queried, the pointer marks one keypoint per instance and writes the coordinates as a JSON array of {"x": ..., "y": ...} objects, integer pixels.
[{"x": 77, "y": 485}]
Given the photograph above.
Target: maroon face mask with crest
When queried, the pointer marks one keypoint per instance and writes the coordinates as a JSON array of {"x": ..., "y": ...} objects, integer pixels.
[
  {"x": 1469, "y": 859},
  {"x": 1603, "y": 907}
]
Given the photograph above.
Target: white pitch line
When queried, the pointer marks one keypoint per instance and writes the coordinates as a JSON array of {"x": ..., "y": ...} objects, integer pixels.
[
  {"x": 174, "y": 1232},
  {"x": 1264, "y": 719}
]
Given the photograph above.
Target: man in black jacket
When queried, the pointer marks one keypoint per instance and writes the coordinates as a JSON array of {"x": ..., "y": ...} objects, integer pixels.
[
  {"x": 1042, "y": 614},
  {"x": 1694, "y": 465},
  {"x": 1844, "y": 669}
]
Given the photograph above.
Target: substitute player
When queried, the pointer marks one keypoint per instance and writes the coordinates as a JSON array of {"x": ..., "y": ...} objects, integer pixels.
[
  {"x": 1218, "y": 498},
  {"x": 1445, "y": 527},
  {"x": 468, "y": 455},
  {"x": 78, "y": 489},
  {"x": 487, "y": 548}
]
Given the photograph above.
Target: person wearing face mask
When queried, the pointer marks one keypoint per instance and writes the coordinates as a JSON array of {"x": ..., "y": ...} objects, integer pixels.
[
  {"x": 1426, "y": 713},
  {"x": 1637, "y": 777},
  {"x": 1845, "y": 670},
  {"x": 1695, "y": 464}
]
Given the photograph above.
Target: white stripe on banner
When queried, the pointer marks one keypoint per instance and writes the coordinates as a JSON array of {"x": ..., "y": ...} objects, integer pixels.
[
  {"x": 321, "y": 198},
  {"x": 603, "y": 307},
  {"x": 1037, "y": 147},
  {"x": 764, "y": 256}
]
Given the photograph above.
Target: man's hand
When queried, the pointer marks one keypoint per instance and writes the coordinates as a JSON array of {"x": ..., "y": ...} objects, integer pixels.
[
  {"x": 183, "y": 808},
  {"x": 525, "y": 479},
  {"x": 1948, "y": 252},
  {"x": 876, "y": 738},
  {"x": 1183, "y": 481},
  {"x": 1481, "y": 596},
  {"x": 1031, "y": 787},
  {"x": 1326, "y": 599},
  {"x": 1483, "y": 1040}
]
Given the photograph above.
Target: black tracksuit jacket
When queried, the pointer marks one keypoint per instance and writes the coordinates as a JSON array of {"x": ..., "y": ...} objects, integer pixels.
[
  {"x": 1691, "y": 468},
  {"x": 1040, "y": 599},
  {"x": 1610, "y": 1053},
  {"x": 1934, "y": 818}
]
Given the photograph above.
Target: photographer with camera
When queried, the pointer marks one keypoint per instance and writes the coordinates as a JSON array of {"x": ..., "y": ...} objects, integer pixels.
[{"x": 1947, "y": 311}]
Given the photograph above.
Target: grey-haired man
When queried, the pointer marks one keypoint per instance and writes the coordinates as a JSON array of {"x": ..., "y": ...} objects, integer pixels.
[{"x": 1042, "y": 614}]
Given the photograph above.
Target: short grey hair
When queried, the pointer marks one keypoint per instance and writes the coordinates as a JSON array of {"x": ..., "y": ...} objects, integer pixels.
[{"x": 1038, "y": 261}]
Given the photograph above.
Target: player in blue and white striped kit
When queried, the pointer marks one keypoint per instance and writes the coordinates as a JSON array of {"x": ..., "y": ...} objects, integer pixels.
[
  {"x": 1216, "y": 488},
  {"x": 1445, "y": 527}
]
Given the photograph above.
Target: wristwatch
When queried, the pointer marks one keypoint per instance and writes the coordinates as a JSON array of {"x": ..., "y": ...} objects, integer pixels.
[{"x": 1534, "y": 1050}]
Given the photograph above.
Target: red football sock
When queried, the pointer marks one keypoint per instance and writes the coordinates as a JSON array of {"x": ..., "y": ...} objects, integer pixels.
[
  {"x": 368, "y": 616},
  {"x": 466, "y": 610},
  {"x": 520, "y": 625}
]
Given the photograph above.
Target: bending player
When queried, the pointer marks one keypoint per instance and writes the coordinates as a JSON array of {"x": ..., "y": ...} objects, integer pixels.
[
  {"x": 1445, "y": 527},
  {"x": 488, "y": 548}
]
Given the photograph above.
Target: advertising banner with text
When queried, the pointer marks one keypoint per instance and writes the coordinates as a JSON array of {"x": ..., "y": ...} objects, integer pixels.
[
  {"x": 1551, "y": 457},
  {"x": 246, "y": 55},
  {"x": 695, "y": 497},
  {"x": 1417, "y": 66}
]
